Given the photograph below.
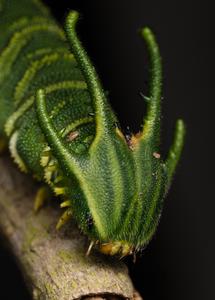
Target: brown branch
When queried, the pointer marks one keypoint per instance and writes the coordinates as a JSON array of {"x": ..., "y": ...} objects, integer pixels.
[{"x": 53, "y": 263}]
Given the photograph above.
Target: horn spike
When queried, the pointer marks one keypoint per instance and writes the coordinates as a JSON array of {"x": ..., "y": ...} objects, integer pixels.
[
  {"x": 102, "y": 111},
  {"x": 175, "y": 151},
  {"x": 70, "y": 161},
  {"x": 151, "y": 128}
]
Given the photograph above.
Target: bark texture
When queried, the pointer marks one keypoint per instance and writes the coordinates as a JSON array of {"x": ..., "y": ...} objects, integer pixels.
[{"x": 53, "y": 263}]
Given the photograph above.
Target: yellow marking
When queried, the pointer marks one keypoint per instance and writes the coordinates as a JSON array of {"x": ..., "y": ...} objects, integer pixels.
[
  {"x": 52, "y": 166},
  {"x": 44, "y": 160},
  {"x": 59, "y": 191},
  {"x": 14, "y": 152},
  {"x": 42, "y": 51},
  {"x": 39, "y": 52},
  {"x": 117, "y": 247},
  {"x": 45, "y": 157},
  {"x": 47, "y": 149},
  {"x": 57, "y": 109},
  {"x": 9, "y": 126},
  {"x": 58, "y": 179},
  {"x": 48, "y": 176},
  {"x": 26, "y": 21},
  {"x": 67, "y": 215},
  {"x": 30, "y": 73},
  {"x": 66, "y": 204},
  {"x": 18, "y": 23},
  {"x": 18, "y": 41},
  {"x": 49, "y": 170},
  {"x": 7, "y": 58},
  {"x": 66, "y": 85}
]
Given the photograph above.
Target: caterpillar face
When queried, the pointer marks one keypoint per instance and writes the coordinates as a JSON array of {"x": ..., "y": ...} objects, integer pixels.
[
  {"x": 61, "y": 128},
  {"x": 116, "y": 188}
]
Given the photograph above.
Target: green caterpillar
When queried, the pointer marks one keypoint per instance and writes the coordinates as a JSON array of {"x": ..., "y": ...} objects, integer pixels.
[{"x": 55, "y": 117}]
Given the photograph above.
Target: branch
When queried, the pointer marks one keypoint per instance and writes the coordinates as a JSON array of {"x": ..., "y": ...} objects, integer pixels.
[{"x": 53, "y": 263}]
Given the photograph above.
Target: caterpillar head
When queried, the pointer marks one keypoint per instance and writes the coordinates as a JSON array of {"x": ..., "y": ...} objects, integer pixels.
[{"x": 121, "y": 183}]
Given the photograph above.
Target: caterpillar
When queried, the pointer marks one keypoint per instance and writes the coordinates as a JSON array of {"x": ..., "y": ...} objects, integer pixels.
[{"x": 57, "y": 122}]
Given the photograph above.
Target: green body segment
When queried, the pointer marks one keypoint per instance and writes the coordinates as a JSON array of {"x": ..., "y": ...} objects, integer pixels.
[
  {"x": 61, "y": 129},
  {"x": 34, "y": 54}
]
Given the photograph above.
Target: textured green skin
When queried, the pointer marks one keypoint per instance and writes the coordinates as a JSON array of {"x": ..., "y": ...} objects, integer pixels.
[{"x": 115, "y": 192}]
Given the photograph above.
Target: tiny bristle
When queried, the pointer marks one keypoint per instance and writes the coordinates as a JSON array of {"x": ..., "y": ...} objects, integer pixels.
[{"x": 90, "y": 248}]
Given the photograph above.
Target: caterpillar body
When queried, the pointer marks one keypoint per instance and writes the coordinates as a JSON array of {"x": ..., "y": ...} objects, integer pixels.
[{"x": 59, "y": 127}]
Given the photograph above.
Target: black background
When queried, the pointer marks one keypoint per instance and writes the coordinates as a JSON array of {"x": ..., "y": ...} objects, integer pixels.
[{"x": 179, "y": 263}]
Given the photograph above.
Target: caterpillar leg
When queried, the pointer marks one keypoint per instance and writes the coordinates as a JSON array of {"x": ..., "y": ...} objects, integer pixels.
[
  {"x": 43, "y": 194},
  {"x": 66, "y": 216}
]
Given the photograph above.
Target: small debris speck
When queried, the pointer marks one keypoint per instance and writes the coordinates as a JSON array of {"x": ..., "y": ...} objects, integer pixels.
[
  {"x": 156, "y": 155},
  {"x": 72, "y": 135}
]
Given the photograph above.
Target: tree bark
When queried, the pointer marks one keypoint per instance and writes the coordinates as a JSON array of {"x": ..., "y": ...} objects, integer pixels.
[{"x": 53, "y": 263}]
